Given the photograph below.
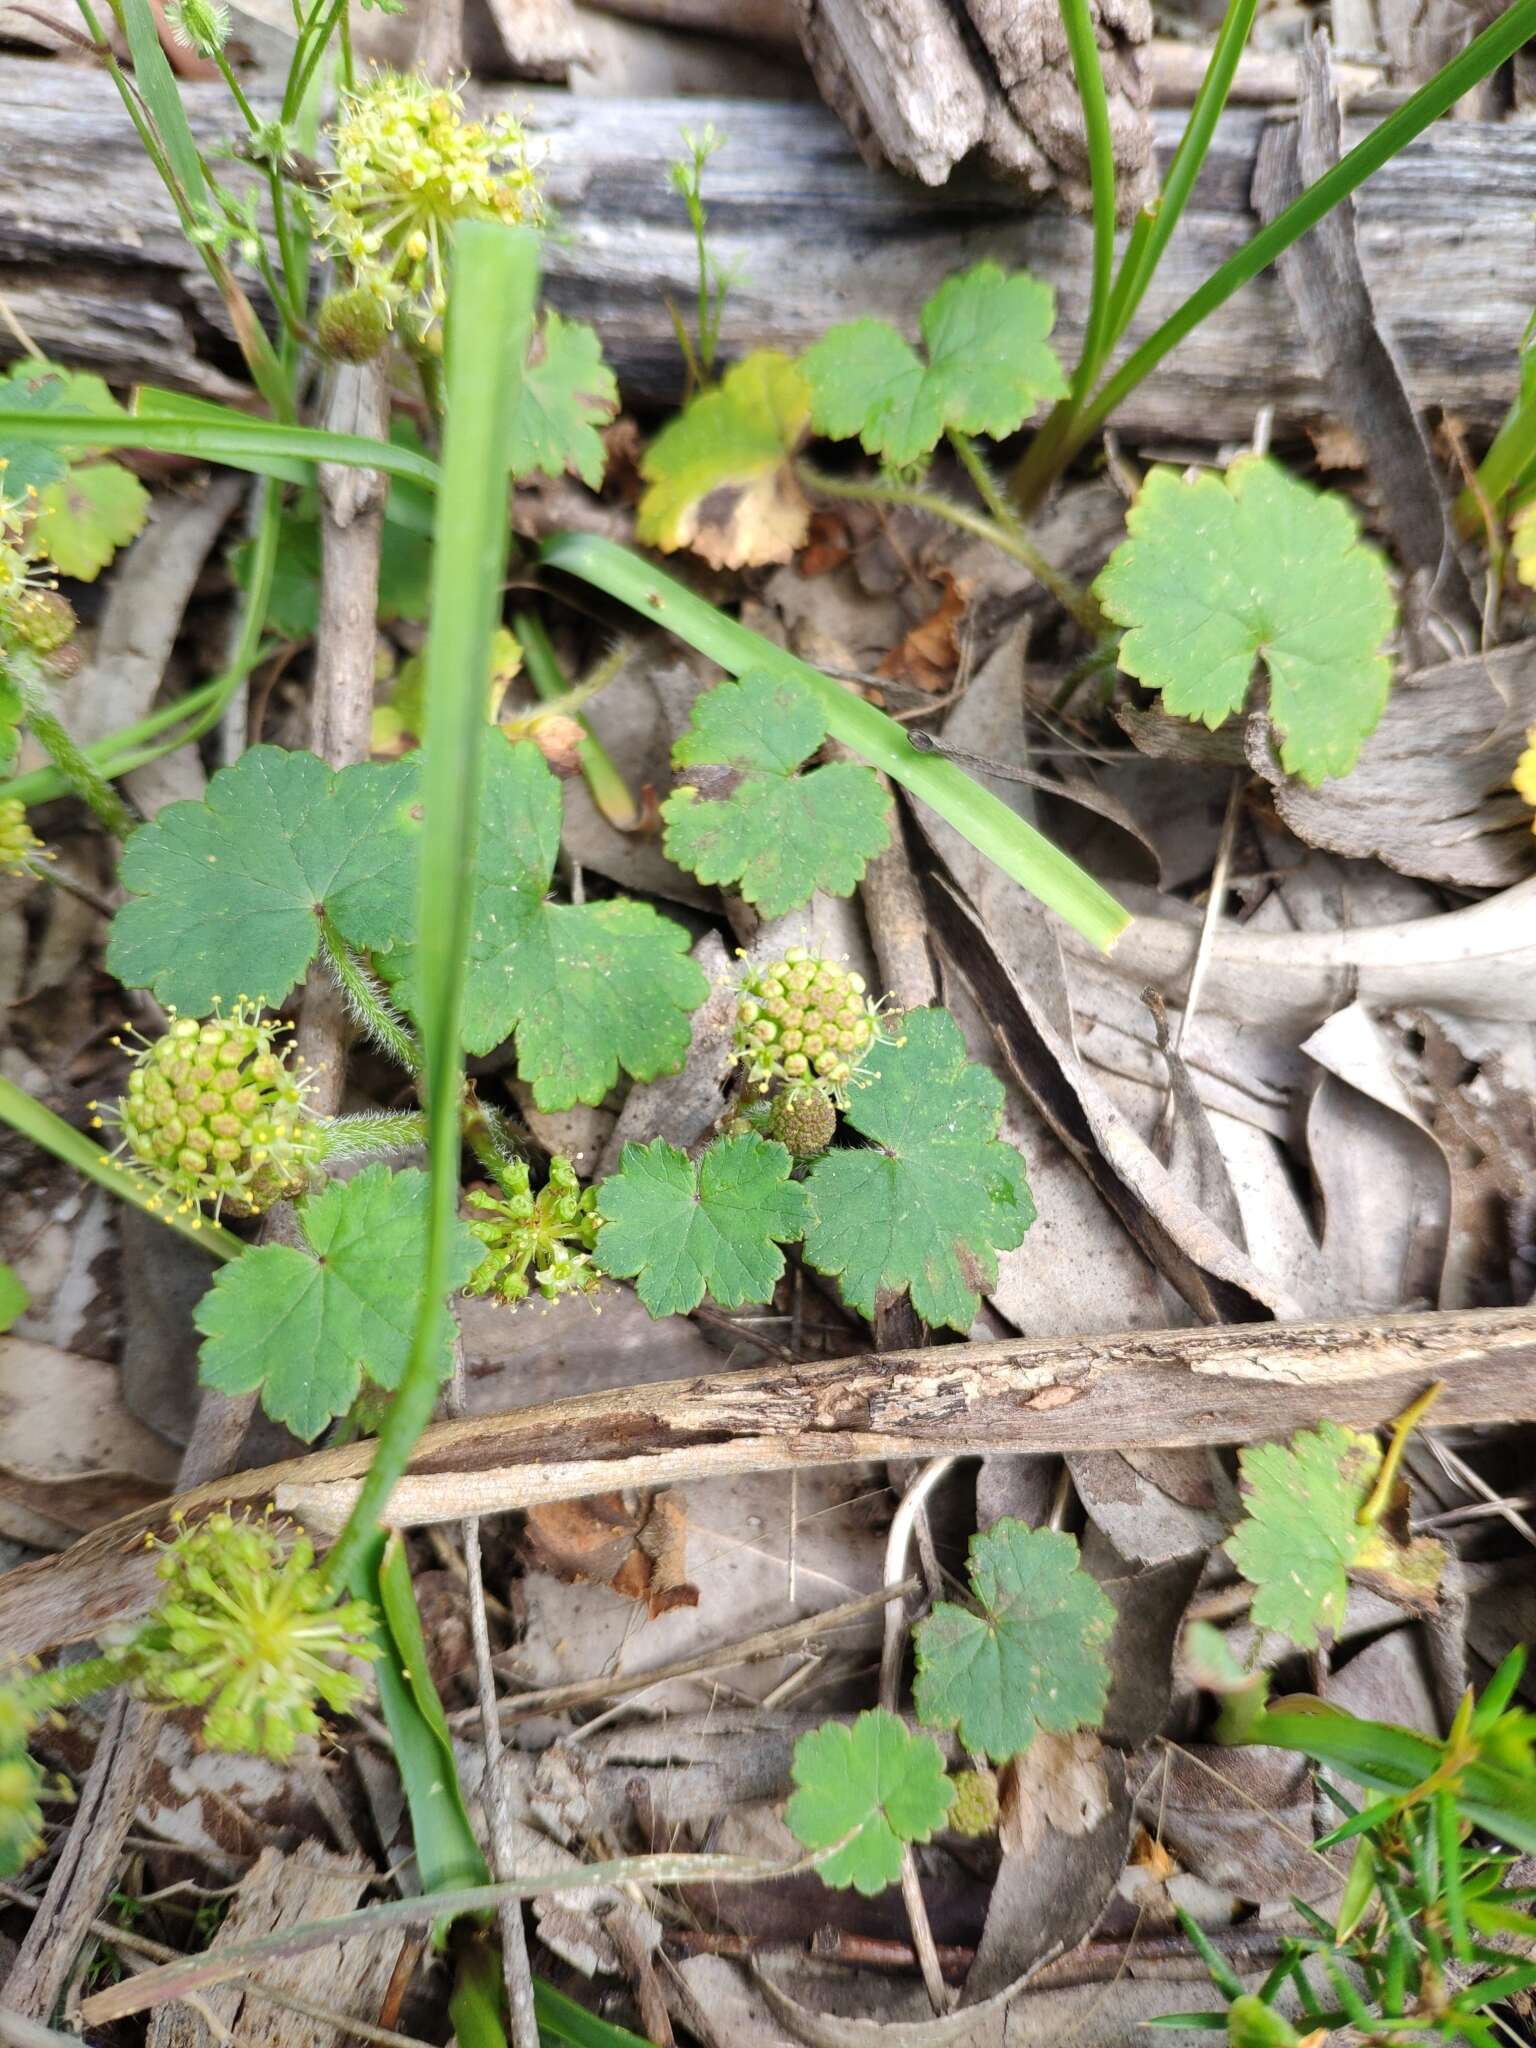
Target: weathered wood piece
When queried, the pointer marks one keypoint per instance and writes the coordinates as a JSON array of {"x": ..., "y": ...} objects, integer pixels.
[
  {"x": 1147, "y": 1388},
  {"x": 93, "y": 265}
]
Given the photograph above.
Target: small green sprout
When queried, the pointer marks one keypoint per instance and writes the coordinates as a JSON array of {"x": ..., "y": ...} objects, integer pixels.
[{"x": 541, "y": 1240}]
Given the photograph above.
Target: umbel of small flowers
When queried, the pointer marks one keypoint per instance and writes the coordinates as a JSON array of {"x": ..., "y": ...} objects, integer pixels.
[
  {"x": 408, "y": 166},
  {"x": 805, "y": 1021},
  {"x": 35, "y": 619},
  {"x": 533, "y": 1241},
  {"x": 247, "y": 1628}
]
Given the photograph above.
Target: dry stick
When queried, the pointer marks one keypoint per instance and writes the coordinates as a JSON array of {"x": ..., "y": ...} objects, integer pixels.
[
  {"x": 1141, "y": 1389},
  {"x": 1210, "y": 924},
  {"x": 753, "y": 1649}
]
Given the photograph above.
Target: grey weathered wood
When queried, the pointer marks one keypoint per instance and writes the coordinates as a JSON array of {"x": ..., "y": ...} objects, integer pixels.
[
  {"x": 91, "y": 260},
  {"x": 1145, "y": 1388}
]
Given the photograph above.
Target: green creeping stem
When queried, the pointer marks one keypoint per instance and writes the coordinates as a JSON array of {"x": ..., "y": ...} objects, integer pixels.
[{"x": 1016, "y": 847}]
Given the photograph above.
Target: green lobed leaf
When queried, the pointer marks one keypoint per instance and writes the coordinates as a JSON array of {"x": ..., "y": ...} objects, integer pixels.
[
  {"x": 88, "y": 514},
  {"x": 12, "y": 712},
  {"x": 681, "y": 1231},
  {"x": 568, "y": 392},
  {"x": 719, "y": 473},
  {"x": 936, "y": 1195},
  {"x": 588, "y": 988},
  {"x": 1301, "y": 1539},
  {"x": 228, "y": 889},
  {"x": 1033, "y": 1658},
  {"x": 989, "y": 365},
  {"x": 306, "y": 1327},
  {"x": 875, "y": 1780},
  {"x": 1222, "y": 572},
  {"x": 779, "y": 835}
]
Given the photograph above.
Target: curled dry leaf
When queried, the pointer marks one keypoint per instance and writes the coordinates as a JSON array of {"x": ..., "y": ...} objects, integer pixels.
[{"x": 640, "y": 1552}]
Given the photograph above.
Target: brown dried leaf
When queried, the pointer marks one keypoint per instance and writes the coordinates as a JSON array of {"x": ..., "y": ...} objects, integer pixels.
[{"x": 929, "y": 656}]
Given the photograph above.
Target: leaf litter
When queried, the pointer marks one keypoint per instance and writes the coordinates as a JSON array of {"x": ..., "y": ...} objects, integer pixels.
[{"x": 1356, "y": 1044}]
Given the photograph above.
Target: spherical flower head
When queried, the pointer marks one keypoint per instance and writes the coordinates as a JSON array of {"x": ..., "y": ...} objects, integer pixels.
[
  {"x": 21, "y": 850},
  {"x": 253, "y": 1634},
  {"x": 21, "y": 1817},
  {"x": 408, "y": 166},
  {"x": 214, "y": 1112},
  {"x": 1524, "y": 777},
  {"x": 541, "y": 1240},
  {"x": 803, "y": 1019}
]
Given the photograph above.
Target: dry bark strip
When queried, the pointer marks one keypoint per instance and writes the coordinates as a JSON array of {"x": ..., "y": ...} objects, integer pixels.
[
  {"x": 94, "y": 265},
  {"x": 1145, "y": 1389}
]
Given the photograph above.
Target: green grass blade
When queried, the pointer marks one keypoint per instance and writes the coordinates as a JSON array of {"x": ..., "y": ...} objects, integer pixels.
[
  {"x": 495, "y": 283},
  {"x": 563, "y": 2020},
  {"x": 236, "y": 440},
  {"x": 1483, "y": 55},
  {"x": 447, "y": 1853},
  {"x": 157, "y": 84},
  {"x": 1088, "y": 70},
  {"x": 24, "y": 1113},
  {"x": 1017, "y": 848}
]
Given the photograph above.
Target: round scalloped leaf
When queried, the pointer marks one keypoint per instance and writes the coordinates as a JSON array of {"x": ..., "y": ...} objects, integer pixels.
[
  {"x": 1302, "y": 1540},
  {"x": 306, "y": 1327},
  {"x": 588, "y": 988},
  {"x": 928, "y": 1204},
  {"x": 778, "y": 835},
  {"x": 875, "y": 1781},
  {"x": 1032, "y": 1658},
  {"x": 989, "y": 366},
  {"x": 567, "y": 394},
  {"x": 681, "y": 1231},
  {"x": 1226, "y": 571},
  {"x": 228, "y": 889}
]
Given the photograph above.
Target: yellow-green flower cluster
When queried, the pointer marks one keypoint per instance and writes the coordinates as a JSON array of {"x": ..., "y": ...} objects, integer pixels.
[
  {"x": 33, "y": 615},
  {"x": 541, "y": 1240},
  {"x": 20, "y": 848},
  {"x": 804, "y": 1019},
  {"x": 250, "y": 1634},
  {"x": 21, "y": 1818},
  {"x": 215, "y": 1113},
  {"x": 408, "y": 165}
]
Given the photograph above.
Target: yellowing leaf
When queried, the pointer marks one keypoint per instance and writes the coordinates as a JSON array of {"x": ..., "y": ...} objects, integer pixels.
[
  {"x": 1302, "y": 1541},
  {"x": 1522, "y": 531},
  {"x": 719, "y": 474},
  {"x": 87, "y": 515}
]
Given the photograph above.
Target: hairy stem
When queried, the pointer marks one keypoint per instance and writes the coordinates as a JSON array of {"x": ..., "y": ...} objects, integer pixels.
[
  {"x": 75, "y": 766},
  {"x": 371, "y": 1008},
  {"x": 373, "y": 1132},
  {"x": 610, "y": 792}
]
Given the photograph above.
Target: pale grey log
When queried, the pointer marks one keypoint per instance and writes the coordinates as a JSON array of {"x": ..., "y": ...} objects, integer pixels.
[{"x": 91, "y": 257}]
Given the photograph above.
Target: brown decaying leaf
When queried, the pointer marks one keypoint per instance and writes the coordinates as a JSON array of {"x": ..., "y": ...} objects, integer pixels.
[
  {"x": 640, "y": 1551},
  {"x": 741, "y": 527},
  {"x": 929, "y": 656},
  {"x": 829, "y": 545}
]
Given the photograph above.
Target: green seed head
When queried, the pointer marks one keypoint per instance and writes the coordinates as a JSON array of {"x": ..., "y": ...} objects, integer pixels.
[
  {"x": 42, "y": 619},
  {"x": 352, "y": 326},
  {"x": 802, "y": 1018},
  {"x": 214, "y": 1113},
  {"x": 803, "y": 1120},
  {"x": 975, "y": 1810}
]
